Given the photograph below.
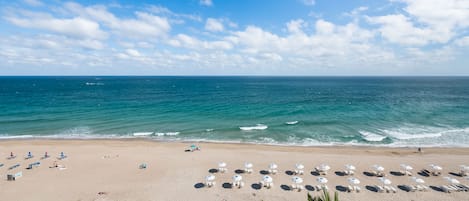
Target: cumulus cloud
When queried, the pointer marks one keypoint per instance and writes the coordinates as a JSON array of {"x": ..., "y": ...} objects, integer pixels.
[
  {"x": 213, "y": 25},
  {"x": 74, "y": 27},
  {"x": 309, "y": 2},
  {"x": 33, "y": 2},
  {"x": 206, "y": 2}
]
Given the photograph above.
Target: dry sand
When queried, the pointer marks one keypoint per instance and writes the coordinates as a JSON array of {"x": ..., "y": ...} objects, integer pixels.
[{"x": 108, "y": 170}]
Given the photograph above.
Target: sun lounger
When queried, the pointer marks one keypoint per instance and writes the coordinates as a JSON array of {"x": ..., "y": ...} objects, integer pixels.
[
  {"x": 30, "y": 155},
  {"x": 62, "y": 156},
  {"x": 273, "y": 171},
  {"x": 349, "y": 188},
  {"x": 349, "y": 172},
  {"x": 32, "y": 165},
  {"x": 297, "y": 187},
  {"x": 445, "y": 189},
  {"x": 14, "y": 166},
  {"x": 379, "y": 188},
  {"x": 210, "y": 183},
  {"x": 300, "y": 172},
  {"x": 393, "y": 189},
  {"x": 142, "y": 166},
  {"x": 238, "y": 184},
  {"x": 1, "y": 164},
  {"x": 357, "y": 189}
]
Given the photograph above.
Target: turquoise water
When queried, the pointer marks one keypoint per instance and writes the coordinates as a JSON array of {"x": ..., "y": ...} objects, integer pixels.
[{"x": 381, "y": 111}]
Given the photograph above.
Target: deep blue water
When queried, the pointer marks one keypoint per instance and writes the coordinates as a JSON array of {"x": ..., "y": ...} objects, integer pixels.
[{"x": 388, "y": 111}]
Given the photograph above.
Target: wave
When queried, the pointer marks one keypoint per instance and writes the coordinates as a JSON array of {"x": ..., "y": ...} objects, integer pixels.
[
  {"x": 94, "y": 83},
  {"x": 291, "y": 122},
  {"x": 143, "y": 134},
  {"x": 167, "y": 134},
  {"x": 257, "y": 127},
  {"x": 406, "y": 136},
  {"x": 371, "y": 137}
]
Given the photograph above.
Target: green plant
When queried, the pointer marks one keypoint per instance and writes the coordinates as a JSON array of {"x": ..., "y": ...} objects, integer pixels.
[{"x": 324, "y": 197}]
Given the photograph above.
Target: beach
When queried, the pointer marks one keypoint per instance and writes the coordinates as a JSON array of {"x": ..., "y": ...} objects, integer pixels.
[{"x": 109, "y": 170}]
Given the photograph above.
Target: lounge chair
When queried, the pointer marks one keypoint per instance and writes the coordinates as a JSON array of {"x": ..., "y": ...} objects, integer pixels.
[
  {"x": 62, "y": 156},
  {"x": 142, "y": 166},
  {"x": 349, "y": 172},
  {"x": 394, "y": 190},
  {"x": 210, "y": 183},
  {"x": 29, "y": 155},
  {"x": 1, "y": 164},
  {"x": 13, "y": 177},
  {"x": 300, "y": 172},
  {"x": 273, "y": 171},
  {"x": 349, "y": 188},
  {"x": 379, "y": 189},
  {"x": 297, "y": 187},
  {"x": 14, "y": 166},
  {"x": 357, "y": 189}
]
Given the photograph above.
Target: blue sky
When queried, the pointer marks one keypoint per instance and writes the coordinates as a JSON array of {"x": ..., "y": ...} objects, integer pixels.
[{"x": 234, "y": 37}]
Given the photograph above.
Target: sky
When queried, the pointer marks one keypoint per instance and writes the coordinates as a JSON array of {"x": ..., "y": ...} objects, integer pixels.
[{"x": 235, "y": 37}]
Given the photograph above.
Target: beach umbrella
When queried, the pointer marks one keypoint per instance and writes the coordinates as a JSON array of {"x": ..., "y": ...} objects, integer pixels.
[
  {"x": 248, "y": 165},
  {"x": 237, "y": 178},
  {"x": 378, "y": 168},
  {"x": 210, "y": 177},
  {"x": 418, "y": 180},
  {"x": 350, "y": 167},
  {"x": 436, "y": 167},
  {"x": 385, "y": 181},
  {"x": 273, "y": 166},
  {"x": 322, "y": 180},
  {"x": 267, "y": 179},
  {"x": 299, "y": 166},
  {"x": 297, "y": 180},
  {"x": 452, "y": 180},
  {"x": 324, "y": 167},
  {"x": 353, "y": 181},
  {"x": 222, "y": 164},
  {"x": 406, "y": 167}
]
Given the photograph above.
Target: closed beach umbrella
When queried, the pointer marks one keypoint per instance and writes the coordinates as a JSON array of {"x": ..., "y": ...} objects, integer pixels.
[
  {"x": 267, "y": 179},
  {"x": 299, "y": 166},
  {"x": 322, "y": 180},
  {"x": 353, "y": 181},
  {"x": 418, "y": 180},
  {"x": 248, "y": 165},
  {"x": 406, "y": 167},
  {"x": 210, "y": 177},
  {"x": 452, "y": 180},
  {"x": 436, "y": 167},
  {"x": 237, "y": 178},
  {"x": 324, "y": 167},
  {"x": 222, "y": 164},
  {"x": 297, "y": 180},
  {"x": 378, "y": 168},
  {"x": 350, "y": 167},
  {"x": 385, "y": 181},
  {"x": 273, "y": 166}
]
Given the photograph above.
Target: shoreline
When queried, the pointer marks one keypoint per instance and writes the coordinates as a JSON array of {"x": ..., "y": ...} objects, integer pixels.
[{"x": 108, "y": 170}]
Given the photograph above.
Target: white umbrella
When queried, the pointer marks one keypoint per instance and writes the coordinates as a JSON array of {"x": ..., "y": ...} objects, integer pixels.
[
  {"x": 267, "y": 179},
  {"x": 353, "y": 181},
  {"x": 324, "y": 167},
  {"x": 222, "y": 164},
  {"x": 248, "y": 165},
  {"x": 350, "y": 167},
  {"x": 418, "y": 180},
  {"x": 322, "y": 180},
  {"x": 237, "y": 178},
  {"x": 385, "y": 181},
  {"x": 452, "y": 180},
  {"x": 297, "y": 180},
  {"x": 378, "y": 168},
  {"x": 436, "y": 167},
  {"x": 210, "y": 177},
  {"x": 406, "y": 167},
  {"x": 273, "y": 166},
  {"x": 299, "y": 166}
]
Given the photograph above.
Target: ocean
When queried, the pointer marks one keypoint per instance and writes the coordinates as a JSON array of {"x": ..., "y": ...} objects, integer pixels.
[{"x": 302, "y": 111}]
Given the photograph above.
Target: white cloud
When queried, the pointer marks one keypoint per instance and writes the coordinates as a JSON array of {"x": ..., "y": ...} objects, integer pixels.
[
  {"x": 33, "y": 2},
  {"x": 183, "y": 40},
  {"x": 213, "y": 25},
  {"x": 133, "y": 52},
  {"x": 309, "y": 2},
  {"x": 295, "y": 26},
  {"x": 206, "y": 2},
  {"x": 75, "y": 27}
]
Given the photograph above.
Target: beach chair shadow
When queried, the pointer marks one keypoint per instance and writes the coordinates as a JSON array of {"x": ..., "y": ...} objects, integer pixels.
[
  {"x": 341, "y": 188},
  {"x": 199, "y": 185},
  {"x": 404, "y": 188},
  {"x": 256, "y": 186},
  {"x": 264, "y": 172},
  {"x": 423, "y": 174},
  {"x": 213, "y": 170},
  {"x": 315, "y": 173},
  {"x": 371, "y": 188},
  {"x": 455, "y": 174},
  {"x": 239, "y": 171},
  {"x": 436, "y": 188},
  {"x": 309, "y": 188},
  {"x": 289, "y": 172},
  {"x": 227, "y": 185},
  {"x": 369, "y": 174},
  {"x": 285, "y": 187},
  {"x": 339, "y": 173},
  {"x": 396, "y": 173}
]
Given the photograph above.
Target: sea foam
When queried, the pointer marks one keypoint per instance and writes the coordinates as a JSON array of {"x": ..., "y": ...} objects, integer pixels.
[{"x": 257, "y": 127}]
